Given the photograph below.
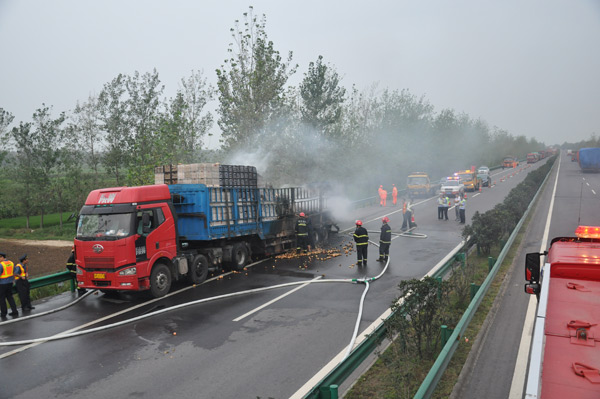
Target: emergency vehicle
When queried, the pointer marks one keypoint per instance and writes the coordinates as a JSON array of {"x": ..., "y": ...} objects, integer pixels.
[
  {"x": 564, "y": 360},
  {"x": 453, "y": 187},
  {"x": 469, "y": 179}
]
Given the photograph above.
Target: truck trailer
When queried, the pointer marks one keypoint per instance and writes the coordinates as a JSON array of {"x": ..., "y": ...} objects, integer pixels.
[
  {"x": 589, "y": 159},
  {"x": 146, "y": 237},
  {"x": 565, "y": 351}
]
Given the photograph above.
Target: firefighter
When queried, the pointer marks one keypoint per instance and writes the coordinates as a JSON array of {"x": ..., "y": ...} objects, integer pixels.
[
  {"x": 382, "y": 196},
  {"x": 394, "y": 194},
  {"x": 441, "y": 204},
  {"x": 302, "y": 233},
  {"x": 6, "y": 282},
  {"x": 385, "y": 239},
  {"x": 361, "y": 237},
  {"x": 22, "y": 283},
  {"x": 72, "y": 266},
  {"x": 461, "y": 208}
]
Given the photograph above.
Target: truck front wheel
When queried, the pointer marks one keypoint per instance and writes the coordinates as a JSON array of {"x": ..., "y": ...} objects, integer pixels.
[
  {"x": 199, "y": 269},
  {"x": 160, "y": 280}
]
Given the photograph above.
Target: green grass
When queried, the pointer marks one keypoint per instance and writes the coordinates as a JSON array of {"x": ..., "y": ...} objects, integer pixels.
[{"x": 16, "y": 228}]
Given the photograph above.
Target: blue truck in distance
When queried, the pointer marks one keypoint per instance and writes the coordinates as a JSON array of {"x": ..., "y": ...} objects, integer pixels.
[{"x": 589, "y": 159}]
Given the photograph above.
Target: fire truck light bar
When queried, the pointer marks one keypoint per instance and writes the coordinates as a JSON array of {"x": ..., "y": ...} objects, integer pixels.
[{"x": 587, "y": 232}]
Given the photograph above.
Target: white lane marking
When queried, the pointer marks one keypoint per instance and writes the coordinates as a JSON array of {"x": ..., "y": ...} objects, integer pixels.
[
  {"x": 301, "y": 393},
  {"x": 91, "y": 323},
  {"x": 588, "y": 184},
  {"x": 475, "y": 195},
  {"x": 593, "y": 191},
  {"x": 274, "y": 300},
  {"x": 518, "y": 380}
]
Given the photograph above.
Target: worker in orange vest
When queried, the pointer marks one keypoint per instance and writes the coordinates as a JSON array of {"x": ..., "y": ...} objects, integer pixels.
[
  {"x": 394, "y": 194},
  {"x": 6, "y": 282}
]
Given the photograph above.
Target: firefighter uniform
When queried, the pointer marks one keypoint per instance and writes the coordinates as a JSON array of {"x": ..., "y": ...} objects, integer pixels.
[
  {"x": 361, "y": 237},
  {"x": 302, "y": 234},
  {"x": 385, "y": 239},
  {"x": 22, "y": 283},
  {"x": 395, "y": 194},
  {"x": 6, "y": 281},
  {"x": 72, "y": 267}
]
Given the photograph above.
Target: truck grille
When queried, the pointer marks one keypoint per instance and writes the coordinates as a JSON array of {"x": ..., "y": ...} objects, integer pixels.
[
  {"x": 99, "y": 283},
  {"x": 99, "y": 263}
]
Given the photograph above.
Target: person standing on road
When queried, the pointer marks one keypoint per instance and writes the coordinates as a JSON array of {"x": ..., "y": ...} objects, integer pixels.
[
  {"x": 302, "y": 233},
  {"x": 22, "y": 283},
  {"x": 394, "y": 194},
  {"x": 7, "y": 269},
  {"x": 385, "y": 239},
  {"x": 72, "y": 267},
  {"x": 446, "y": 206},
  {"x": 456, "y": 205},
  {"x": 441, "y": 204},
  {"x": 461, "y": 208},
  {"x": 410, "y": 215},
  {"x": 361, "y": 237},
  {"x": 404, "y": 215}
]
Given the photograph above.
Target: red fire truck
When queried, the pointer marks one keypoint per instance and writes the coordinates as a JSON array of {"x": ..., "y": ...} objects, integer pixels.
[{"x": 565, "y": 352}]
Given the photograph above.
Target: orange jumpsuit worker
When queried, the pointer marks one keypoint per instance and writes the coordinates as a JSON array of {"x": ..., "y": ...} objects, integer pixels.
[
  {"x": 382, "y": 196},
  {"x": 394, "y": 194}
]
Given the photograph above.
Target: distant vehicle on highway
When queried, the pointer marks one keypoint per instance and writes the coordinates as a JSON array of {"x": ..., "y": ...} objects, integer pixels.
[
  {"x": 453, "y": 187},
  {"x": 483, "y": 174}
]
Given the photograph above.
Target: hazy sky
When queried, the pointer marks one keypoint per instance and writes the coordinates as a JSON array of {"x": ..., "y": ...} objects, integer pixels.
[{"x": 531, "y": 67}]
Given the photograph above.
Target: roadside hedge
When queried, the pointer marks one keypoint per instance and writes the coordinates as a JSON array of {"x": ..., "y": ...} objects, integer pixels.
[{"x": 495, "y": 225}]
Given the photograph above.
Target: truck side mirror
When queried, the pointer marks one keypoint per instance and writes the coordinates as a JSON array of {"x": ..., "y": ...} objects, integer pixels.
[
  {"x": 145, "y": 222},
  {"x": 532, "y": 267}
]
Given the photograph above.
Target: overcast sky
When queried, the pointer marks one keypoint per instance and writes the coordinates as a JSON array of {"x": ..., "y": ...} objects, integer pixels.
[{"x": 529, "y": 67}]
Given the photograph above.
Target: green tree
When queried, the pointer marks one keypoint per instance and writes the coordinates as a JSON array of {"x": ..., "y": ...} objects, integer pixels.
[
  {"x": 85, "y": 132},
  {"x": 322, "y": 96},
  {"x": 251, "y": 83},
  {"x": 6, "y": 119},
  {"x": 24, "y": 169},
  {"x": 114, "y": 122}
]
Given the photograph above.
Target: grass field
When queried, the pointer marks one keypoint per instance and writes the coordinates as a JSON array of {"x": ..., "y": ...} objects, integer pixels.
[{"x": 17, "y": 227}]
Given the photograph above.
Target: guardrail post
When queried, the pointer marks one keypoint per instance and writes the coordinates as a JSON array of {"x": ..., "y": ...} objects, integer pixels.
[
  {"x": 334, "y": 391},
  {"x": 324, "y": 392},
  {"x": 446, "y": 333},
  {"x": 474, "y": 289},
  {"x": 491, "y": 262},
  {"x": 72, "y": 285}
]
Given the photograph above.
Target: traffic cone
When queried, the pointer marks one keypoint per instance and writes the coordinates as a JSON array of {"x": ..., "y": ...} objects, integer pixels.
[{"x": 479, "y": 188}]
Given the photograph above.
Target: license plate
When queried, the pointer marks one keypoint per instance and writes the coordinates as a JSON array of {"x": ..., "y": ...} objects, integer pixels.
[{"x": 99, "y": 275}]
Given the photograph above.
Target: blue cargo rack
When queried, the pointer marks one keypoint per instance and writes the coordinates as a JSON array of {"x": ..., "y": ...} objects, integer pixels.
[{"x": 212, "y": 213}]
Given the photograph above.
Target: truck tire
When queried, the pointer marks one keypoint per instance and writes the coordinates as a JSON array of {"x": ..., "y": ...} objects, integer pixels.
[
  {"x": 239, "y": 256},
  {"x": 199, "y": 269},
  {"x": 160, "y": 280}
]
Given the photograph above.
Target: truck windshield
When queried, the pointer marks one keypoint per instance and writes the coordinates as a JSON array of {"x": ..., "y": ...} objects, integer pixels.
[
  {"x": 417, "y": 180},
  {"x": 108, "y": 226},
  {"x": 453, "y": 183}
]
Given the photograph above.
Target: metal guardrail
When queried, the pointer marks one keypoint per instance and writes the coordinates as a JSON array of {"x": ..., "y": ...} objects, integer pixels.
[
  {"x": 437, "y": 370},
  {"x": 49, "y": 280}
]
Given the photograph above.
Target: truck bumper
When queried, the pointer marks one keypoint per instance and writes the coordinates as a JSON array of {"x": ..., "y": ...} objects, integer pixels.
[{"x": 112, "y": 281}]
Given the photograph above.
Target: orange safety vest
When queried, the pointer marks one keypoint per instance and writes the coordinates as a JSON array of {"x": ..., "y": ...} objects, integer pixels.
[
  {"x": 7, "y": 269},
  {"x": 20, "y": 271}
]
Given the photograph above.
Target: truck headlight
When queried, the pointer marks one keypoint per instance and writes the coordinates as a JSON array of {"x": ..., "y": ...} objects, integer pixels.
[
  {"x": 79, "y": 271},
  {"x": 130, "y": 271}
]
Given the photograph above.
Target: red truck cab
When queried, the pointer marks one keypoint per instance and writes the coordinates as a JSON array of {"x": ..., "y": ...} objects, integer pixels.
[{"x": 126, "y": 239}]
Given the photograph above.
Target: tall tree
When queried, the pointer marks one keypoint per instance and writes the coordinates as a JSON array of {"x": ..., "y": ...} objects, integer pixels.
[
  {"x": 6, "y": 119},
  {"x": 143, "y": 111},
  {"x": 47, "y": 144},
  {"x": 114, "y": 122},
  {"x": 322, "y": 96},
  {"x": 25, "y": 168},
  {"x": 251, "y": 82},
  {"x": 85, "y": 132}
]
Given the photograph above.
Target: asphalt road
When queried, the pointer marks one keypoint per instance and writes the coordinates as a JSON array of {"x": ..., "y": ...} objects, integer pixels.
[
  {"x": 264, "y": 344},
  {"x": 492, "y": 370}
]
